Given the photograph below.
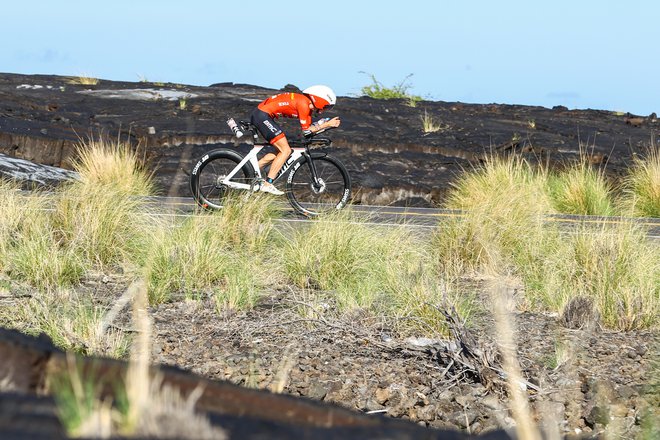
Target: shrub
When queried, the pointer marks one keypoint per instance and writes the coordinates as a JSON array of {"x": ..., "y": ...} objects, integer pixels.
[{"x": 377, "y": 90}]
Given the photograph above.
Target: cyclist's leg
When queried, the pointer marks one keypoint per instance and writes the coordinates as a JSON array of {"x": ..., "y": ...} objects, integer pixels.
[
  {"x": 273, "y": 133},
  {"x": 284, "y": 151},
  {"x": 268, "y": 158}
]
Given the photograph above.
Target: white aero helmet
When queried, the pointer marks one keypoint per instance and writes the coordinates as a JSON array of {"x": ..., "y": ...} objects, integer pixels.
[{"x": 322, "y": 97}]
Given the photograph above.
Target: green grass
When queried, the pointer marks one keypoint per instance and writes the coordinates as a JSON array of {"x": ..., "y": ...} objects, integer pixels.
[
  {"x": 193, "y": 260},
  {"x": 361, "y": 263},
  {"x": 103, "y": 224},
  {"x": 78, "y": 400},
  {"x": 233, "y": 256},
  {"x": 94, "y": 222},
  {"x": 39, "y": 259},
  {"x": 71, "y": 321},
  {"x": 31, "y": 249},
  {"x": 88, "y": 226},
  {"x": 18, "y": 213}
]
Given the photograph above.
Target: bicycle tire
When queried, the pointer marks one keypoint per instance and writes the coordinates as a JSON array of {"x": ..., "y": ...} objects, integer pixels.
[
  {"x": 209, "y": 171},
  {"x": 310, "y": 200}
]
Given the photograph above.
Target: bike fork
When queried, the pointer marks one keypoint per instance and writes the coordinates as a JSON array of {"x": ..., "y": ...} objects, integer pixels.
[{"x": 312, "y": 169}]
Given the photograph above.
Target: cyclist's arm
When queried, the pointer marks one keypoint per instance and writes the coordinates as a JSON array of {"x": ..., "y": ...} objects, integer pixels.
[{"x": 315, "y": 128}]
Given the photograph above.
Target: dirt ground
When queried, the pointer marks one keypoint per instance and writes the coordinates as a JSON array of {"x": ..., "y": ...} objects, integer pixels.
[{"x": 579, "y": 382}]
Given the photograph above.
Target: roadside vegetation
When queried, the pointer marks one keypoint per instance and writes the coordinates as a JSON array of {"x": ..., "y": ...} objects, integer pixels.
[
  {"x": 383, "y": 270},
  {"x": 581, "y": 189},
  {"x": 51, "y": 244},
  {"x": 499, "y": 200},
  {"x": 220, "y": 255},
  {"x": 642, "y": 185},
  {"x": 503, "y": 233},
  {"x": 54, "y": 247}
]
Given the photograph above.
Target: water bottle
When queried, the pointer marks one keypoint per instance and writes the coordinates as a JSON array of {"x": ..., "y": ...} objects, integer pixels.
[{"x": 234, "y": 128}]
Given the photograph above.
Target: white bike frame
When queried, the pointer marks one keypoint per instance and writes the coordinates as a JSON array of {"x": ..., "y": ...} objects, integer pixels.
[{"x": 252, "y": 158}]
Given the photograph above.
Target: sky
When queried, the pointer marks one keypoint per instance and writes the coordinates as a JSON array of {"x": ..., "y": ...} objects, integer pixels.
[{"x": 598, "y": 54}]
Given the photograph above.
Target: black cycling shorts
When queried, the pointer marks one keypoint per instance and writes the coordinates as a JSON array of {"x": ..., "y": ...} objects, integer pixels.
[{"x": 268, "y": 128}]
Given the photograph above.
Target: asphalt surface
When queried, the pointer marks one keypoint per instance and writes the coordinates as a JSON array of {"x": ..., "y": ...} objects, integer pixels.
[{"x": 418, "y": 218}]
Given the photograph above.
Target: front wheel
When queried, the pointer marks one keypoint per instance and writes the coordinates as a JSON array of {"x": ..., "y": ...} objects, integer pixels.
[
  {"x": 209, "y": 172},
  {"x": 329, "y": 192}
]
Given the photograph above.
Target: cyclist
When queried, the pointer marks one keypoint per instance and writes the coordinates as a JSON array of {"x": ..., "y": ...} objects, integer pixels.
[{"x": 317, "y": 98}]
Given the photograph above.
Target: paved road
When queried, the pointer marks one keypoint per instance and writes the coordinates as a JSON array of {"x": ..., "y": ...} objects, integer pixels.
[{"x": 422, "y": 218}]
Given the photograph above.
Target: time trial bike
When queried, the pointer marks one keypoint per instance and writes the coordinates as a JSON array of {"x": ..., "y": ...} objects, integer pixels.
[{"x": 315, "y": 182}]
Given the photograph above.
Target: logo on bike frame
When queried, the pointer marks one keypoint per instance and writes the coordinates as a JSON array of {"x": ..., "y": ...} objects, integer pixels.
[{"x": 295, "y": 154}]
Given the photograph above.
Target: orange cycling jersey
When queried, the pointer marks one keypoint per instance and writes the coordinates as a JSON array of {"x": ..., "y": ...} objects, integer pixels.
[{"x": 290, "y": 105}]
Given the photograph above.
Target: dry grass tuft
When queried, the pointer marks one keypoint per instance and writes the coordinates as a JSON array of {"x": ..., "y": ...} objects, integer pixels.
[
  {"x": 581, "y": 189},
  {"x": 429, "y": 125},
  {"x": 526, "y": 428},
  {"x": 502, "y": 231},
  {"x": 214, "y": 254},
  {"x": 642, "y": 185},
  {"x": 501, "y": 198},
  {"x": 144, "y": 407},
  {"x": 84, "y": 79},
  {"x": 113, "y": 163}
]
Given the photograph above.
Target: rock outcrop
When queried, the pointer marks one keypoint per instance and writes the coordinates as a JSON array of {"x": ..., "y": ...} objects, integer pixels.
[
  {"x": 29, "y": 409},
  {"x": 392, "y": 159},
  {"x": 31, "y": 174}
]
